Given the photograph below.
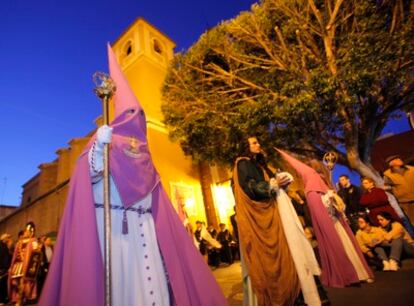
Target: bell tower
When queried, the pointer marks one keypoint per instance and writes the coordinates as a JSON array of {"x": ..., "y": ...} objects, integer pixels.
[{"x": 144, "y": 53}]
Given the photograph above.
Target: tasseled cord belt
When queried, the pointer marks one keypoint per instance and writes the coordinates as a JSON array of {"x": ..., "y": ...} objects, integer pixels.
[{"x": 139, "y": 211}]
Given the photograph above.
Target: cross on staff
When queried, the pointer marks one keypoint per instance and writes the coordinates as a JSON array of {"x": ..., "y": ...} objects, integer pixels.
[
  {"x": 105, "y": 89},
  {"x": 329, "y": 160}
]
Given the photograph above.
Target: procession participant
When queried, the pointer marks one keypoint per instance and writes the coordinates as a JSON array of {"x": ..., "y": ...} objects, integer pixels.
[
  {"x": 22, "y": 274},
  {"x": 342, "y": 261},
  {"x": 270, "y": 274},
  {"x": 154, "y": 261}
]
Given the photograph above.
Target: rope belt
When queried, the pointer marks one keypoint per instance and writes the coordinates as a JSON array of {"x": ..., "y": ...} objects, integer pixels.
[{"x": 139, "y": 211}]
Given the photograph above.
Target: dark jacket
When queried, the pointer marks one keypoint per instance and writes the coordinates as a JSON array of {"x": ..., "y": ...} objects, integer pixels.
[
  {"x": 351, "y": 196},
  {"x": 252, "y": 180}
]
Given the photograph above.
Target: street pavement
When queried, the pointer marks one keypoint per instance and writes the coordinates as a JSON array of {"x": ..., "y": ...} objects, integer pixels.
[
  {"x": 229, "y": 279},
  {"x": 389, "y": 288}
]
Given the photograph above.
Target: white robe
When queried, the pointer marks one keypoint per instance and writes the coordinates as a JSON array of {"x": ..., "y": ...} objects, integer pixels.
[
  {"x": 300, "y": 248},
  {"x": 349, "y": 247},
  {"x": 138, "y": 273}
]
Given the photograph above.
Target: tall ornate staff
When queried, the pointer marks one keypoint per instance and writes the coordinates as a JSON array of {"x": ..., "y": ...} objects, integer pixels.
[
  {"x": 105, "y": 89},
  {"x": 330, "y": 159}
]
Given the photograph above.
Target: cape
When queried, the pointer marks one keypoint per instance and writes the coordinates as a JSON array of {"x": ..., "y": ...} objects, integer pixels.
[
  {"x": 264, "y": 249},
  {"x": 76, "y": 275}
]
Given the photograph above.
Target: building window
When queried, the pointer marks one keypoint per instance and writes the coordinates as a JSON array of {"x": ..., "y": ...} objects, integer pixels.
[
  {"x": 157, "y": 47},
  {"x": 128, "y": 48}
]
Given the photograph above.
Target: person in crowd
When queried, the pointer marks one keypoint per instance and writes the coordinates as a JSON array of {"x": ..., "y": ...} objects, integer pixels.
[
  {"x": 351, "y": 195},
  {"x": 183, "y": 215},
  {"x": 394, "y": 231},
  {"x": 22, "y": 274},
  {"x": 46, "y": 248},
  {"x": 234, "y": 245},
  {"x": 202, "y": 243},
  {"x": 341, "y": 259},
  {"x": 5, "y": 261},
  {"x": 212, "y": 231},
  {"x": 148, "y": 239},
  {"x": 233, "y": 221},
  {"x": 376, "y": 200},
  {"x": 272, "y": 270},
  {"x": 372, "y": 241},
  {"x": 399, "y": 177},
  {"x": 300, "y": 206},
  {"x": 205, "y": 242},
  {"x": 213, "y": 251},
  {"x": 225, "y": 238}
]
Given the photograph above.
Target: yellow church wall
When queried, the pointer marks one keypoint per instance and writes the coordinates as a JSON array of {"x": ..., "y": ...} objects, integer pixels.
[
  {"x": 144, "y": 53},
  {"x": 179, "y": 175},
  {"x": 77, "y": 145},
  {"x": 146, "y": 84},
  {"x": 63, "y": 172},
  {"x": 47, "y": 177}
]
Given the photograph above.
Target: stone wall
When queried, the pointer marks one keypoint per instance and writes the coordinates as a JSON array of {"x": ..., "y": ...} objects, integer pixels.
[{"x": 44, "y": 195}]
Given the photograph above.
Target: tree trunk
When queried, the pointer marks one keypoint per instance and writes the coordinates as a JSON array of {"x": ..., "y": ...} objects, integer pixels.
[
  {"x": 206, "y": 181},
  {"x": 365, "y": 170}
]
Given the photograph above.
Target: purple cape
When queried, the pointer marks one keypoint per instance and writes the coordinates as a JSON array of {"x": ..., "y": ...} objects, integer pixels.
[
  {"x": 337, "y": 269},
  {"x": 76, "y": 276}
]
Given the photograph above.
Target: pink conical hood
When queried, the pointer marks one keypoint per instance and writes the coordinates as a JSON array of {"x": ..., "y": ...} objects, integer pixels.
[
  {"x": 124, "y": 98},
  {"x": 311, "y": 179},
  {"x": 130, "y": 163}
]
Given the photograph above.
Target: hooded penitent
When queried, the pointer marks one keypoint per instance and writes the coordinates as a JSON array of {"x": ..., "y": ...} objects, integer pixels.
[
  {"x": 337, "y": 268},
  {"x": 76, "y": 275}
]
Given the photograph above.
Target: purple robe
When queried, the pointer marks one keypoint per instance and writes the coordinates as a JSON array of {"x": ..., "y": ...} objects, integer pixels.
[
  {"x": 337, "y": 269},
  {"x": 76, "y": 275}
]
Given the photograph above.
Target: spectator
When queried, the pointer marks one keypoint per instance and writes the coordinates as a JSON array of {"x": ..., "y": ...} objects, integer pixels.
[
  {"x": 400, "y": 178},
  {"x": 225, "y": 238},
  {"x": 376, "y": 200},
  {"x": 395, "y": 231},
  {"x": 22, "y": 288},
  {"x": 47, "y": 253},
  {"x": 371, "y": 240},
  {"x": 205, "y": 240},
  {"x": 300, "y": 207},
  {"x": 212, "y": 231},
  {"x": 5, "y": 261},
  {"x": 234, "y": 245},
  {"x": 202, "y": 243},
  {"x": 351, "y": 195},
  {"x": 233, "y": 221},
  {"x": 213, "y": 251}
]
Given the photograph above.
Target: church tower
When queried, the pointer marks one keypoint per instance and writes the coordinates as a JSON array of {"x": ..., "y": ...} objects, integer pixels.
[{"x": 144, "y": 53}]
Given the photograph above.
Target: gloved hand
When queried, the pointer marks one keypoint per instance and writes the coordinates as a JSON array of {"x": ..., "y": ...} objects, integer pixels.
[
  {"x": 284, "y": 178},
  {"x": 103, "y": 135},
  {"x": 273, "y": 184}
]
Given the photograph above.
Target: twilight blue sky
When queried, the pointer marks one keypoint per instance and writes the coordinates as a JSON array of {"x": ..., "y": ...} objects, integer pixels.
[{"x": 49, "y": 51}]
